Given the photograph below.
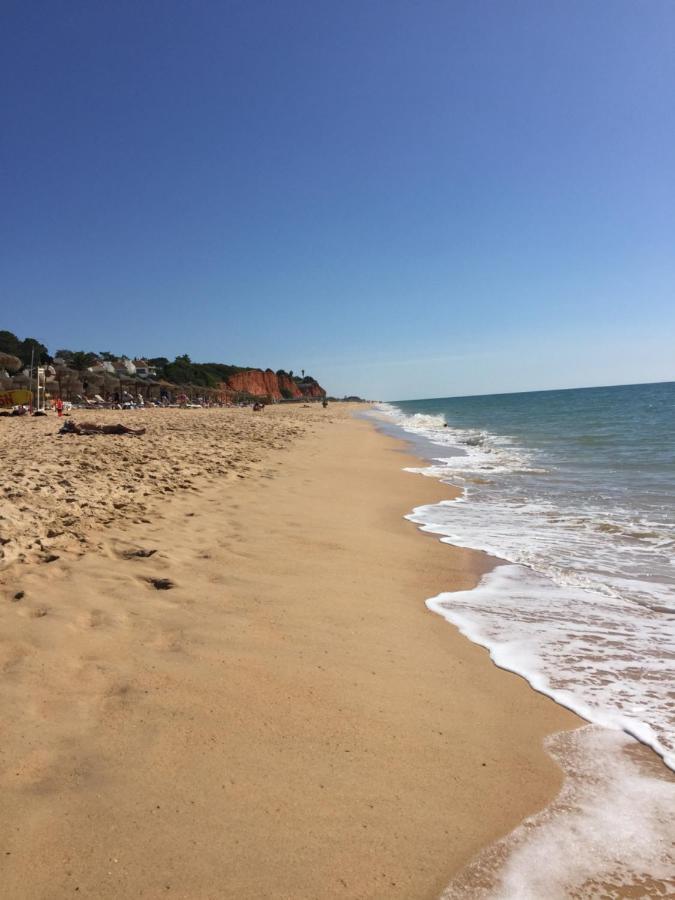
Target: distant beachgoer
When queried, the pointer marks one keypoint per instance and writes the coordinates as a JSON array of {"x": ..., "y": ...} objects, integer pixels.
[
  {"x": 59, "y": 407},
  {"x": 92, "y": 428}
]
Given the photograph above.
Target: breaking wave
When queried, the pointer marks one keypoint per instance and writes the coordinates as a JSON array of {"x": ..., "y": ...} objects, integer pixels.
[{"x": 585, "y": 612}]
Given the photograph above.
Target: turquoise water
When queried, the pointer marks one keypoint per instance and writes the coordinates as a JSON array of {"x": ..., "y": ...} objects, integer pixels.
[
  {"x": 589, "y": 474},
  {"x": 575, "y": 492}
]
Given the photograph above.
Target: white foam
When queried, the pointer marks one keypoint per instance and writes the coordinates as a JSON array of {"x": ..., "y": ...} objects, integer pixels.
[
  {"x": 581, "y": 613},
  {"x": 475, "y": 452},
  {"x": 609, "y": 832},
  {"x": 524, "y": 510},
  {"x": 608, "y": 660}
]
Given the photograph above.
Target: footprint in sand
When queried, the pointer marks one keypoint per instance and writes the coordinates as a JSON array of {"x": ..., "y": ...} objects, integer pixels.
[
  {"x": 172, "y": 640},
  {"x": 141, "y": 553},
  {"x": 95, "y": 618},
  {"x": 39, "y": 612},
  {"x": 12, "y": 655},
  {"x": 49, "y": 557},
  {"x": 118, "y": 690},
  {"x": 161, "y": 584}
]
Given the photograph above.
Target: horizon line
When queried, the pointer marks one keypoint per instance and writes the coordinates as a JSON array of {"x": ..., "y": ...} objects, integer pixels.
[{"x": 587, "y": 387}]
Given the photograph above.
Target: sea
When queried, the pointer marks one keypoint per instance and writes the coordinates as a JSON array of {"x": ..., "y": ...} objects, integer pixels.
[{"x": 573, "y": 493}]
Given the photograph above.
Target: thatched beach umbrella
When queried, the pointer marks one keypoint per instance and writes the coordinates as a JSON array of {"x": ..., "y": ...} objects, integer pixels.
[
  {"x": 20, "y": 381},
  {"x": 110, "y": 383},
  {"x": 165, "y": 388},
  {"x": 120, "y": 381},
  {"x": 10, "y": 363},
  {"x": 150, "y": 388},
  {"x": 194, "y": 391},
  {"x": 92, "y": 382},
  {"x": 51, "y": 386},
  {"x": 129, "y": 384},
  {"x": 61, "y": 375},
  {"x": 69, "y": 382},
  {"x": 141, "y": 385}
]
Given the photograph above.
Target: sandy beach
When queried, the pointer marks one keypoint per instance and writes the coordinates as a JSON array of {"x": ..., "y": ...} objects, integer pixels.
[{"x": 220, "y": 678}]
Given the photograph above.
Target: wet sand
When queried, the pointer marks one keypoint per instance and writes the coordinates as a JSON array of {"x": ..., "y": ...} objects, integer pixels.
[{"x": 260, "y": 705}]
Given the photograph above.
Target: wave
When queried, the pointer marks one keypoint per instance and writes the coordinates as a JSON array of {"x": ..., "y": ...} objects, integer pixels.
[
  {"x": 573, "y": 611},
  {"x": 526, "y": 509},
  {"x": 608, "y": 834},
  {"x": 473, "y": 450},
  {"x": 595, "y": 634},
  {"x": 599, "y": 656}
]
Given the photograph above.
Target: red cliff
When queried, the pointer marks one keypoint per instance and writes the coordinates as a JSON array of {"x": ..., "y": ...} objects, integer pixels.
[
  {"x": 311, "y": 389},
  {"x": 279, "y": 386},
  {"x": 288, "y": 386}
]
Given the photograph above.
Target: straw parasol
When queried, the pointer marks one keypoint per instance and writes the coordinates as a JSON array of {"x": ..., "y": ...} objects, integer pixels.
[
  {"x": 94, "y": 382},
  {"x": 51, "y": 386},
  {"x": 168, "y": 387},
  {"x": 70, "y": 380},
  {"x": 110, "y": 383},
  {"x": 128, "y": 384},
  {"x": 150, "y": 385},
  {"x": 9, "y": 362}
]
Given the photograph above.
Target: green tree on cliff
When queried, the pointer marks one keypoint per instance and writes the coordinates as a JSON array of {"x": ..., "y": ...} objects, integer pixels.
[
  {"x": 81, "y": 360},
  {"x": 9, "y": 343},
  {"x": 31, "y": 348}
]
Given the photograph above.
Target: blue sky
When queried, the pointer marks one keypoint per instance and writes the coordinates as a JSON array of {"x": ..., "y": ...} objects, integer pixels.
[{"x": 407, "y": 199}]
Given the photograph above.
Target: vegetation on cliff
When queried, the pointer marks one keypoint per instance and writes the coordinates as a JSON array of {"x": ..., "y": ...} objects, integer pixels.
[
  {"x": 10, "y": 343},
  {"x": 182, "y": 371}
]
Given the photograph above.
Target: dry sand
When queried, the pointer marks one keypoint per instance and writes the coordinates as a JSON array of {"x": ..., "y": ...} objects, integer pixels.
[
  {"x": 286, "y": 719},
  {"x": 59, "y": 490}
]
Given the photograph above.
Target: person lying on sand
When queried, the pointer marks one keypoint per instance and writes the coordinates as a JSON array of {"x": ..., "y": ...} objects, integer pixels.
[{"x": 92, "y": 428}]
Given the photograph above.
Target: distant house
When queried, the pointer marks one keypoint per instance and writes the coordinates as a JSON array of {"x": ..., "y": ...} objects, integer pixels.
[
  {"x": 103, "y": 366},
  {"x": 124, "y": 366},
  {"x": 144, "y": 369}
]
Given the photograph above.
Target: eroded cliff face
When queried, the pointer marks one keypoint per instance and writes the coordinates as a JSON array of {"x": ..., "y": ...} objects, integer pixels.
[
  {"x": 286, "y": 383},
  {"x": 311, "y": 389},
  {"x": 268, "y": 384},
  {"x": 256, "y": 383}
]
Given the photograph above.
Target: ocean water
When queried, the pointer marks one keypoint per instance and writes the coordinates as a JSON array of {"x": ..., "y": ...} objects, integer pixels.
[{"x": 575, "y": 492}]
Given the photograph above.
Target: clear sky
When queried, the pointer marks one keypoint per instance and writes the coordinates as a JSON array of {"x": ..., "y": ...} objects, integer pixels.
[{"x": 406, "y": 199}]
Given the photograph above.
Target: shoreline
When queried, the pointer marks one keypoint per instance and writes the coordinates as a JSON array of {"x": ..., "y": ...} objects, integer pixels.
[
  {"x": 589, "y": 797},
  {"x": 589, "y": 570},
  {"x": 291, "y": 692},
  {"x": 576, "y": 705}
]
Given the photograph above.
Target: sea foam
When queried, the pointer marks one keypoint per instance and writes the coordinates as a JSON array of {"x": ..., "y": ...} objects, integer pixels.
[
  {"x": 576, "y": 615},
  {"x": 607, "y": 660},
  {"x": 608, "y": 834}
]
